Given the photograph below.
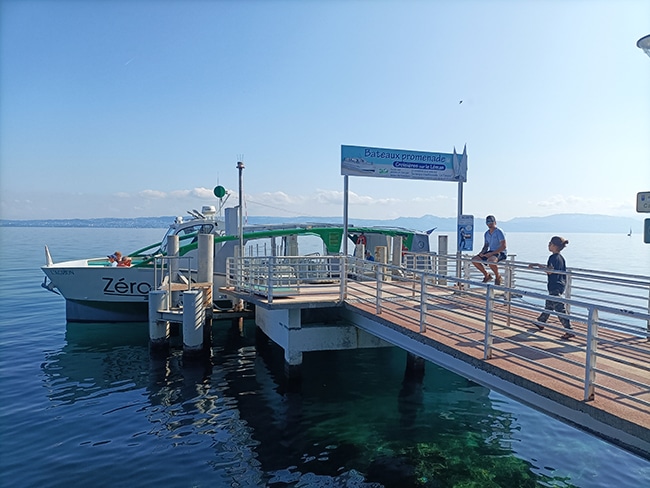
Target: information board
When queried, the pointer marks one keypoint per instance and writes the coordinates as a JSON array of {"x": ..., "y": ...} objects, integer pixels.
[
  {"x": 377, "y": 162},
  {"x": 643, "y": 202}
]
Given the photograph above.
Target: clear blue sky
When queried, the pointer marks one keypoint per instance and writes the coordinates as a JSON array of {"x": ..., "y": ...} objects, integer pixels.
[{"x": 139, "y": 108}]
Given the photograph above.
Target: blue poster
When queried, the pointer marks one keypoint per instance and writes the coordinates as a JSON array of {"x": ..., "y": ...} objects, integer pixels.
[{"x": 465, "y": 232}]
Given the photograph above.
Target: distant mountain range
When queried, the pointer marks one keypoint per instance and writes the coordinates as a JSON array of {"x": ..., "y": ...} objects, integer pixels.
[{"x": 561, "y": 223}]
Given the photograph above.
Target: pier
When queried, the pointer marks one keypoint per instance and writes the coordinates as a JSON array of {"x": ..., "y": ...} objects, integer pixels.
[{"x": 433, "y": 308}]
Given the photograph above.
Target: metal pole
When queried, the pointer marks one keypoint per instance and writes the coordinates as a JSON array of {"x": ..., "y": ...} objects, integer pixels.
[
  {"x": 591, "y": 354},
  {"x": 345, "y": 215},
  {"x": 240, "y": 167},
  {"x": 344, "y": 261},
  {"x": 460, "y": 209},
  {"x": 460, "y": 212}
]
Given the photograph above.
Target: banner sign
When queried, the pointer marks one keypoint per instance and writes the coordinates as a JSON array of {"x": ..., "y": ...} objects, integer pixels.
[
  {"x": 396, "y": 163},
  {"x": 465, "y": 232}
]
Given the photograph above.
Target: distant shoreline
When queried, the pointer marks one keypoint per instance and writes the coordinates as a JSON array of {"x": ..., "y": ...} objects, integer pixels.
[{"x": 561, "y": 223}]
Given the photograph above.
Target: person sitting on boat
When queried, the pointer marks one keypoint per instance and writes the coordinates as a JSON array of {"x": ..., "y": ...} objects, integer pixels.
[
  {"x": 369, "y": 256},
  {"x": 112, "y": 260},
  {"x": 362, "y": 240},
  {"x": 125, "y": 262}
]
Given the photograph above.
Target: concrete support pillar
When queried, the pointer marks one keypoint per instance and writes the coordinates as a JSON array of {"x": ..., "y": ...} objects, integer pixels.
[
  {"x": 283, "y": 328},
  {"x": 172, "y": 250},
  {"x": 261, "y": 341},
  {"x": 207, "y": 332},
  {"x": 443, "y": 250},
  {"x": 173, "y": 247},
  {"x": 205, "y": 274},
  {"x": 158, "y": 329},
  {"x": 414, "y": 367},
  {"x": 193, "y": 322},
  {"x": 292, "y": 353},
  {"x": 381, "y": 254},
  {"x": 292, "y": 245},
  {"x": 397, "y": 254},
  {"x": 381, "y": 257},
  {"x": 397, "y": 250},
  {"x": 293, "y": 364},
  {"x": 206, "y": 258}
]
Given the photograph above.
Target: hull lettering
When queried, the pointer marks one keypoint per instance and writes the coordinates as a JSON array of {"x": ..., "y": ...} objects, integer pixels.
[{"x": 125, "y": 288}]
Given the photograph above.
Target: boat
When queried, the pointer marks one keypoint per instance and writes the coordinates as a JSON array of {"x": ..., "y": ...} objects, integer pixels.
[
  {"x": 358, "y": 166},
  {"x": 96, "y": 291}
]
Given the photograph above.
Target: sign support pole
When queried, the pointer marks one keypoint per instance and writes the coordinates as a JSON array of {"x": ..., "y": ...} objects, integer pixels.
[
  {"x": 460, "y": 212},
  {"x": 345, "y": 215}
]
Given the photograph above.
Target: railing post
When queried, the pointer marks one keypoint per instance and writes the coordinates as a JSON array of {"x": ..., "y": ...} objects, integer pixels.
[
  {"x": 510, "y": 281},
  {"x": 487, "y": 340},
  {"x": 648, "y": 322},
  {"x": 435, "y": 268},
  {"x": 379, "y": 278},
  {"x": 423, "y": 302},
  {"x": 269, "y": 280},
  {"x": 343, "y": 270},
  {"x": 442, "y": 262},
  {"x": 466, "y": 272},
  {"x": 567, "y": 291},
  {"x": 189, "y": 273},
  {"x": 239, "y": 263},
  {"x": 590, "y": 355}
]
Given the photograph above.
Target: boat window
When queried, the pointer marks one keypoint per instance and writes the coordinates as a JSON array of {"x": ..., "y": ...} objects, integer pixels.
[
  {"x": 163, "y": 242},
  {"x": 196, "y": 229},
  {"x": 186, "y": 231}
]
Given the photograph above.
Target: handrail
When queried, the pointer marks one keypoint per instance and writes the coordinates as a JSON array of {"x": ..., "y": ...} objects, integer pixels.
[
  {"x": 583, "y": 311},
  {"x": 481, "y": 306}
]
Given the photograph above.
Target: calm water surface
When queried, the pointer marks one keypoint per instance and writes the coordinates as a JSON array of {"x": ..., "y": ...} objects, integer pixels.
[{"x": 88, "y": 405}]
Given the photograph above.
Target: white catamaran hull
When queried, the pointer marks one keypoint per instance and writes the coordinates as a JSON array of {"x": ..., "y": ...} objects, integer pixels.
[{"x": 102, "y": 293}]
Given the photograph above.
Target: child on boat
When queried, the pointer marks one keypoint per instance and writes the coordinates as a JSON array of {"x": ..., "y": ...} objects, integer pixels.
[
  {"x": 125, "y": 262},
  {"x": 555, "y": 285}
]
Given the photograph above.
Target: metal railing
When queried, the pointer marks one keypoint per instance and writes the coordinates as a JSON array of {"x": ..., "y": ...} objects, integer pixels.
[
  {"x": 609, "y": 311},
  {"x": 279, "y": 276}
]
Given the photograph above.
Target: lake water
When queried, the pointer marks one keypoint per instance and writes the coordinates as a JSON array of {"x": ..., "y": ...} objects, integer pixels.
[{"x": 86, "y": 405}]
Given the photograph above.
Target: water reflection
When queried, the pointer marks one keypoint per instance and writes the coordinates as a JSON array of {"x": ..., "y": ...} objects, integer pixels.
[
  {"x": 358, "y": 418},
  {"x": 97, "y": 359}
]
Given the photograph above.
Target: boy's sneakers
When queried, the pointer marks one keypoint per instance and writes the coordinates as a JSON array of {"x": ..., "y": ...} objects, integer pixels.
[
  {"x": 497, "y": 280},
  {"x": 539, "y": 325},
  {"x": 567, "y": 336},
  {"x": 487, "y": 278}
]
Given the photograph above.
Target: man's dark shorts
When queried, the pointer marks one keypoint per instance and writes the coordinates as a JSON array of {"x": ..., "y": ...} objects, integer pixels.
[{"x": 500, "y": 257}]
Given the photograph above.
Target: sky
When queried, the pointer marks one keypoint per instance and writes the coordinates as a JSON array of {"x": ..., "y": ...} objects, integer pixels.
[{"x": 140, "y": 108}]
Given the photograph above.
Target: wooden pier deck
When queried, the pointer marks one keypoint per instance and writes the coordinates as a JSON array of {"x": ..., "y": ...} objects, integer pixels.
[{"x": 533, "y": 366}]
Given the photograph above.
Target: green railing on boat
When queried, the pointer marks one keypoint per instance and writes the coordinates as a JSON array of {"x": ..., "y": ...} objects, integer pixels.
[{"x": 331, "y": 236}]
